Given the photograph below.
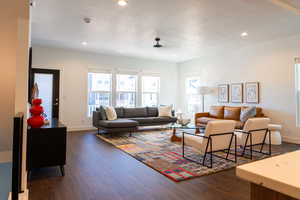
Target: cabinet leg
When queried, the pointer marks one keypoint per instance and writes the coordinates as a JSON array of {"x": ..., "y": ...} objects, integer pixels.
[{"x": 62, "y": 170}]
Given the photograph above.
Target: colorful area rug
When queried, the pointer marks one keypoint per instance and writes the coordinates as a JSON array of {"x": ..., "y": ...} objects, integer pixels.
[{"x": 155, "y": 149}]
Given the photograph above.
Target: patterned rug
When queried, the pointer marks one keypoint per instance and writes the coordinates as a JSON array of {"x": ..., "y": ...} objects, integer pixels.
[{"x": 157, "y": 151}]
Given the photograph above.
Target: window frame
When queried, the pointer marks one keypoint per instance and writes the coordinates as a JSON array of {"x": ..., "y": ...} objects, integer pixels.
[
  {"x": 191, "y": 94},
  {"x": 157, "y": 92},
  {"x": 117, "y": 93},
  {"x": 110, "y": 92}
]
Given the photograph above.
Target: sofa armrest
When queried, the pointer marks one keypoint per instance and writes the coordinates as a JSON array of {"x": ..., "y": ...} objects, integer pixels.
[
  {"x": 199, "y": 115},
  {"x": 96, "y": 118}
]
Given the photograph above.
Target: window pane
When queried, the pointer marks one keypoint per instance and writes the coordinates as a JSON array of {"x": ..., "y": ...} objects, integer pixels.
[
  {"x": 45, "y": 85},
  {"x": 126, "y": 99},
  {"x": 150, "y": 84},
  {"x": 126, "y": 83},
  {"x": 192, "y": 84},
  {"x": 96, "y": 100},
  {"x": 150, "y": 99},
  {"x": 99, "y": 82},
  {"x": 194, "y": 103}
]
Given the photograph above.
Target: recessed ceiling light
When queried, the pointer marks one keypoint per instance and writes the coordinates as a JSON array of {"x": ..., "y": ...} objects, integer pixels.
[
  {"x": 84, "y": 43},
  {"x": 244, "y": 34},
  {"x": 122, "y": 2}
]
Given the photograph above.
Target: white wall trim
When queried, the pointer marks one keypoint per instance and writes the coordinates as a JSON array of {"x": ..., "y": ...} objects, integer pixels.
[
  {"x": 81, "y": 128},
  {"x": 5, "y": 156},
  {"x": 294, "y": 140}
]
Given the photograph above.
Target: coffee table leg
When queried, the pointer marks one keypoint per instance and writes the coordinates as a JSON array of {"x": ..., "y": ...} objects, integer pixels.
[{"x": 174, "y": 137}]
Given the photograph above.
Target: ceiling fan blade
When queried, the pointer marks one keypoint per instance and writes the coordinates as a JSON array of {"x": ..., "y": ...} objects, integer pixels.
[{"x": 286, "y": 5}]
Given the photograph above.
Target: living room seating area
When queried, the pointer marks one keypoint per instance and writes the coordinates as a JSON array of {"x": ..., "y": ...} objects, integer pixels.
[{"x": 128, "y": 119}]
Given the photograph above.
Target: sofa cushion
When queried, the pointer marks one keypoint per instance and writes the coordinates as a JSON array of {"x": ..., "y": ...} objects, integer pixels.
[
  {"x": 216, "y": 112},
  {"x": 143, "y": 120},
  {"x": 102, "y": 112},
  {"x": 111, "y": 113},
  {"x": 165, "y": 111},
  {"x": 158, "y": 120},
  {"x": 247, "y": 113},
  {"x": 152, "y": 111},
  {"x": 118, "y": 123},
  {"x": 120, "y": 112},
  {"x": 135, "y": 112},
  {"x": 205, "y": 120},
  {"x": 232, "y": 113},
  {"x": 259, "y": 112}
]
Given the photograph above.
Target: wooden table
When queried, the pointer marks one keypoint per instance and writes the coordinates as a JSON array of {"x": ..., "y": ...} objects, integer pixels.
[{"x": 276, "y": 178}]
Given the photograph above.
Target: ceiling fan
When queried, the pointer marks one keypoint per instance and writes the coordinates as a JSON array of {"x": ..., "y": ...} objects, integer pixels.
[{"x": 157, "y": 45}]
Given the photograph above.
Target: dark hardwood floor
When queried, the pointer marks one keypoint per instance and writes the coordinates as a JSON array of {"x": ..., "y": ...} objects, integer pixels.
[{"x": 96, "y": 170}]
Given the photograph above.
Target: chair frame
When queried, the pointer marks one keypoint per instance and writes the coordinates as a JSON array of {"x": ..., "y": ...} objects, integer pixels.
[
  {"x": 249, "y": 137},
  {"x": 209, "y": 148}
]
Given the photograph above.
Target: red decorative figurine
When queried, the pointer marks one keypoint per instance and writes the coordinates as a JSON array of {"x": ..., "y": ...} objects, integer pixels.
[{"x": 36, "y": 120}]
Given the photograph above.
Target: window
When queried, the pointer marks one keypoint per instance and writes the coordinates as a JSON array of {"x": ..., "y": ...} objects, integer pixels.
[
  {"x": 193, "y": 98},
  {"x": 99, "y": 91},
  {"x": 150, "y": 90},
  {"x": 126, "y": 90}
]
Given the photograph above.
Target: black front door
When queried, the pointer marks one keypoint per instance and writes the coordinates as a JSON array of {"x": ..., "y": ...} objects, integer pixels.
[{"x": 47, "y": 81}]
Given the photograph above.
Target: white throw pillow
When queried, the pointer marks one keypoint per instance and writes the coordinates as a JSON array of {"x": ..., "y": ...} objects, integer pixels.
[
  {"x": 111, "y": 113},
  {"x": 165, "y": 111}
]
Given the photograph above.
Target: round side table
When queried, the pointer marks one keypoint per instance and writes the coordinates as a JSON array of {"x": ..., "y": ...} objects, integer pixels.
[{"x": 275, "y": 134}]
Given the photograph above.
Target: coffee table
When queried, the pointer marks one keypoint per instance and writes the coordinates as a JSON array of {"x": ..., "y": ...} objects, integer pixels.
[{"x": 176, "y": 126}]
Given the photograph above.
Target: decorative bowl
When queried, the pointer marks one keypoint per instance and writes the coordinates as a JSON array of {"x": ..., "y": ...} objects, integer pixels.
[{"x": 184, "y": 122}]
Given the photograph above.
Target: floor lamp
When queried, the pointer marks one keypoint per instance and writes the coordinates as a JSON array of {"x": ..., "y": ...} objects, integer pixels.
[{"x": 203, "y": 90}]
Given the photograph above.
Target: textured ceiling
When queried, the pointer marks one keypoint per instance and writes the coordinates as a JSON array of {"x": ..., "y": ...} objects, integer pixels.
[{"x": 188, "y": 28}]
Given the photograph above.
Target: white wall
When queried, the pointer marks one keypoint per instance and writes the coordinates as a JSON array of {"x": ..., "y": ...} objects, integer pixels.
[
  {"x": 271, "y": 64},
  {"x": 14, "y": 22},
  {"x": 74, "y": 68}
]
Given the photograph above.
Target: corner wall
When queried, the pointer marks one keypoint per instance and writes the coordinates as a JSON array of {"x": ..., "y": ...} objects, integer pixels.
[
  {"x": 74, "y": 67},
  {"x": 272, "y": 64}
]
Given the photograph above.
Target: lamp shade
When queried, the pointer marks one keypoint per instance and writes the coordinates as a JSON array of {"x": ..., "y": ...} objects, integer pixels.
[{"x": 203, "y": 90}]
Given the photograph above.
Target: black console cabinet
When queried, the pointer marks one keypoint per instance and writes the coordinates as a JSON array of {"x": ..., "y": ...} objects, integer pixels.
[{"x": 46, "y": 146}]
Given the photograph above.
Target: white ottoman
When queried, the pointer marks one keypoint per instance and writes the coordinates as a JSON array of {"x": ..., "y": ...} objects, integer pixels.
[{"x": 275, "y": 134}]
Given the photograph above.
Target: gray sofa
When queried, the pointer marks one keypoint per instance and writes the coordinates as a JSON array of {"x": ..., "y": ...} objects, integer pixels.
[{"x": 129, "y": 119}]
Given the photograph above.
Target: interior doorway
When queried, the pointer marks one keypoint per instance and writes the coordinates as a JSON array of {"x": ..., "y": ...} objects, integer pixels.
[{"x": 48, "y": 85}]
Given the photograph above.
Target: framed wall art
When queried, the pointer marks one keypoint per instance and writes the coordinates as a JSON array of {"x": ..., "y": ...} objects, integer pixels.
[
  {"x": 252, "y": 92},
  {"x": 223, "y": 96},
  {"x": 236, "y": 93}
]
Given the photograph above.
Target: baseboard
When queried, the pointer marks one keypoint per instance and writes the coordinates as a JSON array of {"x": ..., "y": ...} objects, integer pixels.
[
  {"x": 294, "y": 140},
  {"x": 81, "y": 128},
  {"x": 5, "y": 156},
  {"x": 22, "y": 196}
]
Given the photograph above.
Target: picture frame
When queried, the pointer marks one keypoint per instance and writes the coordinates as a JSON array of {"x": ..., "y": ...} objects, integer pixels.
[
  {"x": 252, "y": 92},
  {"x": 223, "y": 93},
  {"x": 236, "y": 93}
]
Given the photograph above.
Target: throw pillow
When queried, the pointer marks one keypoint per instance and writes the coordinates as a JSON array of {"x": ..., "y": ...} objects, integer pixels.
[
  {"x": 102, "y": 113},
  {"x": 111, "y": 113},
  {"x": 247, "y": 113},
  {"x": 165, "y": 111}
]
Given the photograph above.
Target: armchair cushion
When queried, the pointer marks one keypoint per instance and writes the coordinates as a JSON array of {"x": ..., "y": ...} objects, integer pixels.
[
  {"x": 257, "y": 136},
  {"x": 216, "y": 112},
  {"x": 219, "y": 142}
]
